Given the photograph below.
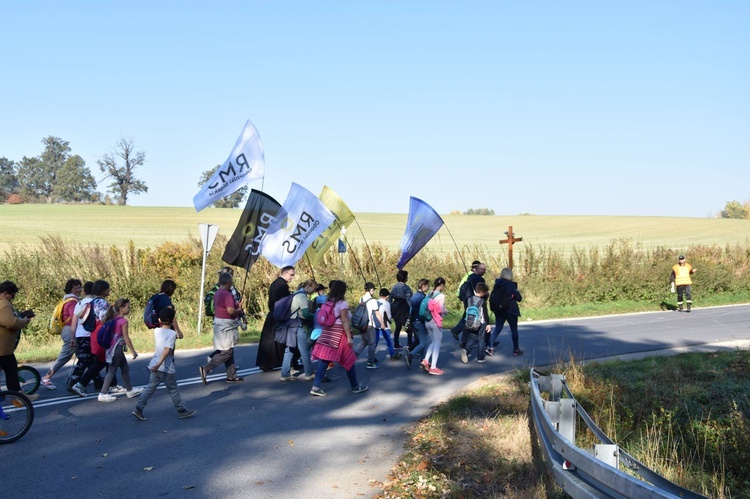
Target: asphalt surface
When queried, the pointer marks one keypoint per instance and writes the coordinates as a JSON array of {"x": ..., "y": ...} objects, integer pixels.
[{"x": 265, "y": 438}]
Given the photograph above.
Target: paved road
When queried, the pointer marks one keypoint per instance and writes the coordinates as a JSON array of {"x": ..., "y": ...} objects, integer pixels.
[{"x": 264, "y": 438}]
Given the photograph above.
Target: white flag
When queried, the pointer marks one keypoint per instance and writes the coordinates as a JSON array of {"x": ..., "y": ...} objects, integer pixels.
[
  {"x": 301, "y": 219},
  {"x": 245, "y": 163}
]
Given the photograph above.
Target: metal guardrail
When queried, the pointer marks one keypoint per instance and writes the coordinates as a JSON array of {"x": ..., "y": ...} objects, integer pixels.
[{"x": 595, "y": 472}]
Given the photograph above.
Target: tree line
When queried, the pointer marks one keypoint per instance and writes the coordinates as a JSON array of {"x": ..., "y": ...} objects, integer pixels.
[
  {"x": 59, "y": 176},
  {"x": 735, "y": 209}
]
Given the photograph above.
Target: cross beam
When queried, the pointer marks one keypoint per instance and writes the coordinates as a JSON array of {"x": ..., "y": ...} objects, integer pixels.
[{"x": 510, "y": 241}]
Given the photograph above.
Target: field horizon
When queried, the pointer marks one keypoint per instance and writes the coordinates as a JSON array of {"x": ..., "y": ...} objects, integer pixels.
[{"x": 25, "y": 225}]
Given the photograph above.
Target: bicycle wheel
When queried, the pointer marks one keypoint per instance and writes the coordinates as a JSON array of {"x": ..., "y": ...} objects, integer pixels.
[
  {"x": 16, "y": 416},
  {"x": 29, "y": 378}
]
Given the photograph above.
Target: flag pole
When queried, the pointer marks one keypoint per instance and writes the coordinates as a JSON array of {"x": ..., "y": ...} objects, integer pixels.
[
  {"x": 460, "y": 255},
  {"x": 309, "y": 264},
  {"x": 356, "y": 260},
  {"x": 375, "y": 267}
]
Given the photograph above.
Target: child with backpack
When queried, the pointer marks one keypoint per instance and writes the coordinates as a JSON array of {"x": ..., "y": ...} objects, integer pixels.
[
  {"x": 384, "y": 328},
  {"x": 367, "y": 336},
  {"x": 113, "y": 335},
  {"x": 418, "y": 324},
  {"x": 400, "y": 298},
  {"x": 475, "y": 323},
  {"x": 434, "y": 323},
  {"x": 162, "y": 368},
  {"x": 504, "y": 304}
]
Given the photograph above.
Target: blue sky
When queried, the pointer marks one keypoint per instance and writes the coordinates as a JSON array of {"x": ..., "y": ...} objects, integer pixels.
[{"x": 549, "y": 107}]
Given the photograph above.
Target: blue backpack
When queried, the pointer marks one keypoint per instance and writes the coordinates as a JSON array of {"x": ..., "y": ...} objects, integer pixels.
[
  {"x": 282, "y": 309},
  {"x": 106, "y": 333},
  {"x": 150, "y": 315},
  {"x": 473, "y": 314}
]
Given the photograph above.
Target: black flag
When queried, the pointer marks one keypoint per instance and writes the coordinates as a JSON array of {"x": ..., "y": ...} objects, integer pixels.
[{"x": 242, "y": 248}]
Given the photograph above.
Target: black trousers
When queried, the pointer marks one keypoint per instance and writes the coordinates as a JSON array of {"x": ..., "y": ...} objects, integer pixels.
[{"x": 9, "y": 365}]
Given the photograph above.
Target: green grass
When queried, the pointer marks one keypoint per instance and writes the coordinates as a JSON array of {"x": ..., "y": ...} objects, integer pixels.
[{"x": 152, "y": 226}]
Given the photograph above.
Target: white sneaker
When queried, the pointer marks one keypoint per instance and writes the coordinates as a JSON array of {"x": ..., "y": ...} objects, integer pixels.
[
  {"x": 134, "y": 392},
  {"x": 106, "y": 397},
  {"x": 464, "y": 356},
  {"x": 117, "y": 390}
]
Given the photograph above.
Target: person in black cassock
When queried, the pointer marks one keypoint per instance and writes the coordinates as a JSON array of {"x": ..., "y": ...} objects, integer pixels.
[{"x": 270, "y": 353}]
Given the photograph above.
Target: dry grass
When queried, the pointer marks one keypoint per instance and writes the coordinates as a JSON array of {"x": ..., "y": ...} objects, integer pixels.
[
  {"x": 152, "y": 226},
  {"x": 479, "y": 444}
]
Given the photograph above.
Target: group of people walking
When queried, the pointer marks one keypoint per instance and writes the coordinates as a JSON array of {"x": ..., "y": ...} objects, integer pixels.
[
  {"x": 420, "y": 314},
  {"x": 306, "y": 338},
  {"x": 97, "y": 333}
]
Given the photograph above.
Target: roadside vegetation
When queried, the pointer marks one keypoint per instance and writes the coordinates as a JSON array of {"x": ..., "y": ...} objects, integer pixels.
[
  {"x": 617, "y": 278},
  {"x": 692, "y": 427}
]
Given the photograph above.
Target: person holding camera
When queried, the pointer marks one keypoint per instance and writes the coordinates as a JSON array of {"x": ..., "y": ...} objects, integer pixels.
[{"x": 11, "y": 324}]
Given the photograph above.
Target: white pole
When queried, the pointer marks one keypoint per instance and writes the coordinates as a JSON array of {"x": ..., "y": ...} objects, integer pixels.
[
  {"x": 200, "y": 297},
  {"x": 208, "y": 234}
]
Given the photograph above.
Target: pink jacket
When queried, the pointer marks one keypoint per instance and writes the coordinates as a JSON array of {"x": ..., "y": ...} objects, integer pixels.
[{"x": 436, "y": 306}]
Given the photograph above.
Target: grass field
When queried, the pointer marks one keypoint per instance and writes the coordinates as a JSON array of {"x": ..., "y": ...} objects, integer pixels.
[{"x": 152, "y": 226}]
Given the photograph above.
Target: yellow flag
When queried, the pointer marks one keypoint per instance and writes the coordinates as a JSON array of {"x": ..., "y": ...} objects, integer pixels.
[{"x": 344, "y": 218}]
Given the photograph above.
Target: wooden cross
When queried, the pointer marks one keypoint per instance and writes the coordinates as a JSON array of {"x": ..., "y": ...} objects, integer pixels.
[{"x": 511, "y": 239}]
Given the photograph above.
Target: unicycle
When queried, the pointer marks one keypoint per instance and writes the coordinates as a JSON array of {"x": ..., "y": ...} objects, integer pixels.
[{"x": 16, "y": 416}]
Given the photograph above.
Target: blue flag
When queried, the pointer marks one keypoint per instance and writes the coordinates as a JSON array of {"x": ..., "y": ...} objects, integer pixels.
[
  {"x": 422, "y": 224},
  {"x": 342, "y": 246}
]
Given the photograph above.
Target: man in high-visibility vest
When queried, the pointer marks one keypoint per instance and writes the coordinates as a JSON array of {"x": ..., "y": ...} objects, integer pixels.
[{"x": 680, "y": 277}]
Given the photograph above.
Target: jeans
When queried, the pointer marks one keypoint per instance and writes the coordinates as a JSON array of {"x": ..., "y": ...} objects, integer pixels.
[
  {"x": 286, "y": 363},
  {"x": 225, "y": 357},
  {"x": 170, "y": 381},
  {"x": 472, "y": 339},
  {"x": 320, "y": 374},
  {"x": 303, "y": 344},
  {"x": 499, "y": 323},
  {"x": 66, "y": 352},
  {"x": 424, "y": 340},
  {"x": 367, "y": 340},
  {"x": 386, "y": 333}
]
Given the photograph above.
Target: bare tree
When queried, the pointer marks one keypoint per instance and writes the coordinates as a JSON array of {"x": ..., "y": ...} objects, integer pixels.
[{"x": 120, "y": 165}]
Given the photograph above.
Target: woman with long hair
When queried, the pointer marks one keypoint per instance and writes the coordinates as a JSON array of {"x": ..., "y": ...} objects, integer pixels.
[
  {"x": 435, "y": 328},
  {"x": 335, "y": 342},
  {"x": 115, "y": 354}
]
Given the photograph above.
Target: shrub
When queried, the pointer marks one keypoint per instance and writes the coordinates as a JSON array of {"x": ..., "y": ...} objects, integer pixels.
[{"x": 14, "y": 199}]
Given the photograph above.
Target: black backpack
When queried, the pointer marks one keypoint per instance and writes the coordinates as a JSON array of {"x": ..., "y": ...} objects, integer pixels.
[
  {"x": 89, "y": 324},
  {"x": 400, "y": 311},
  {"x": 500, "y": 299},
  {"x": 465, "y": 292}
]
